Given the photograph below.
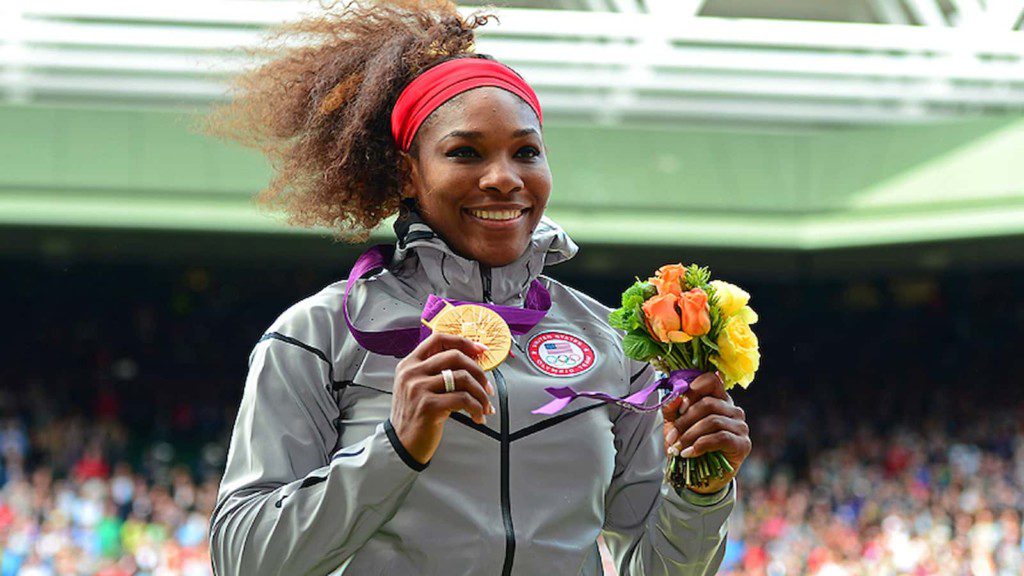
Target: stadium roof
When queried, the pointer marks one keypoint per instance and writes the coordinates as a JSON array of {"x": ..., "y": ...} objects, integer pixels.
[
  {"x": 616, "y": 62},
  {"x": 800, "y": 125}
]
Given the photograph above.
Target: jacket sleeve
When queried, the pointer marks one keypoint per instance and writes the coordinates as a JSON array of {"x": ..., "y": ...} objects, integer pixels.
[
  {"x": 651, "y": 530},
  {"x": 287, "y": 505}
]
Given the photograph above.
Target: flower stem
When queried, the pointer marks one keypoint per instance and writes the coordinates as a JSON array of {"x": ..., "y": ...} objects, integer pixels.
[{"x": 725, "y": 462}]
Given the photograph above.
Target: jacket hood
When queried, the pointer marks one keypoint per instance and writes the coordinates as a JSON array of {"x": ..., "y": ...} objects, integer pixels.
[{"x": 423, "y": 260}]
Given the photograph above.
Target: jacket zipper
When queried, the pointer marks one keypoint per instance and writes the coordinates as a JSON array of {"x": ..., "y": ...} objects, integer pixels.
[
  {"x": 506, "y": 505},
  {"x": 485, "y": 281}
]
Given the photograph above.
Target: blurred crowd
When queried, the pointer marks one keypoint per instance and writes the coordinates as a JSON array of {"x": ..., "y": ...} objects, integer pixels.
[
  {"x": 915, "y": 501},
  {"x": 888, "y": 439},
  {"x": 83, "y": 509}
]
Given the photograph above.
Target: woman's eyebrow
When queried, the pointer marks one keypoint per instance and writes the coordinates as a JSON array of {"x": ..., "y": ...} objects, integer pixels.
[
  {"x": 475, "y": 134},
  {"x": 468, "y": 134}
]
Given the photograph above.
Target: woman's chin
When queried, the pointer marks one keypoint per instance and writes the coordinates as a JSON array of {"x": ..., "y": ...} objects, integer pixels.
[
  {"x": 496, "y": 261},
  {"x": 496, "y": 257}
]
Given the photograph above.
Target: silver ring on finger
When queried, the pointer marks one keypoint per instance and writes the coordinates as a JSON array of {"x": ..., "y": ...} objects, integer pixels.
[{"x": 449, "y": 380}]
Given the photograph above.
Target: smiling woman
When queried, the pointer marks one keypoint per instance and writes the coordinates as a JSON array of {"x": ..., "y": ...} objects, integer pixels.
[
  {"x": 365, "y": 445},
  {"x": 480, "y": 175}
]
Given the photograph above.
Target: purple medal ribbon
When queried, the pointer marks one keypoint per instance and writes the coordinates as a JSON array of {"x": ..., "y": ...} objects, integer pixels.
[
  {"x": 677, "y": 383},
  {"x": 401, "y": 341}
]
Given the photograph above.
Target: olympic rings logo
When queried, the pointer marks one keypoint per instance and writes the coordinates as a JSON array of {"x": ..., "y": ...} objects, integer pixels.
[
  {"x": 564, "y": 360},
  {"x": 560, "y": 354}
]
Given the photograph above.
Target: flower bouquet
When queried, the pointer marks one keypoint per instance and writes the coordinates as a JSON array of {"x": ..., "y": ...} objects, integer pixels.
[{"x": 683, "y": 323}]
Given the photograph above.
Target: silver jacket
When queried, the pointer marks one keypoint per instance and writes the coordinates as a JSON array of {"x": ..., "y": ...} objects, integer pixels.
[{"x": 317, "y": 483}]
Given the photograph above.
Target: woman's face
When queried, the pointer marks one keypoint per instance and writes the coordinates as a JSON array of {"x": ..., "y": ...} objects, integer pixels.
[{"x": 480, "y": 175}]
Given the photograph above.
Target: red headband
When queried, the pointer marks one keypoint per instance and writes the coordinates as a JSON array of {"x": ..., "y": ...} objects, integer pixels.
[{"x": 438, "y": 84}]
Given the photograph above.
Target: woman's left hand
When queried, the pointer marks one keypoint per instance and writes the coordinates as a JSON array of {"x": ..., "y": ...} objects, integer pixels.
[{"x": 706, "y": 419}]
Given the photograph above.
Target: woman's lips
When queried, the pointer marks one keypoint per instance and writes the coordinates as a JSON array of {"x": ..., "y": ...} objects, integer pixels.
[{"x": 498, "y": 224}]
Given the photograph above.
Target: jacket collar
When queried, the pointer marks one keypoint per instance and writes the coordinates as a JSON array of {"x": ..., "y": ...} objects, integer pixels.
[{"x": 427, "y": 265}]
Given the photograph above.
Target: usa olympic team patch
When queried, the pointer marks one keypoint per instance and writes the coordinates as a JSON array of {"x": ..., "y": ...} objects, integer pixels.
[{"x": 560, "y": 354}]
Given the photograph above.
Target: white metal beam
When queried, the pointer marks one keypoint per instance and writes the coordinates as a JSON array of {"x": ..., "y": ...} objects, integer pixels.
[
  {"x": 675, "y": 8},
  {"x": 890, "y": 11},
  {"x": 668, "y": 62},
  {"x": 170, "y": 68},
  {"x": 754, "y": 32},
  {"x": 970, "y": 13},
  {"x": 627, "y": 6},
  {"x": 919, "y": 58},
  {"x": 12, "y": 53},
  {"x": 1005, "y": 14},
  {"x": 226, "y": 12},
  {"x": 994, "y": 15},
  {"x": 52, "y": 28},
  {"x": 596, "y": 5},
  {"x": 563, "y": 105},
  {"x": 927, "y": 12}
]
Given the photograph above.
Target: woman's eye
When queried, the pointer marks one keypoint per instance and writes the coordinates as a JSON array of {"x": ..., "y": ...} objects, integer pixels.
[
  {"x": 469, "y": 152},
  {"x": 462, "y": 152},
  {"x": 528, "y": 152}
]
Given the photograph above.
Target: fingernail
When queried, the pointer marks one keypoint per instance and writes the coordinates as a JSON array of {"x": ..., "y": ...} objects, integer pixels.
[
  {"x": 672, "y": 436},
  {"x": 482, "y": 346},
  {"x": 674, "y": 449},
  {"x": 684, "y": 405},
  {"x": 688, "y": 453},
  {"x": 490, "y": 408},
  {"x": 490, "y": 389}
]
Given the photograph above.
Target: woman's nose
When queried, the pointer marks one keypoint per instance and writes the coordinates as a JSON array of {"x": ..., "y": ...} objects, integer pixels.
[{"x": 501, "y": 177}]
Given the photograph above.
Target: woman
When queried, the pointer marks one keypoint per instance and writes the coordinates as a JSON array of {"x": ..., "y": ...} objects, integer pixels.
[{"x": 351, "y": 453}]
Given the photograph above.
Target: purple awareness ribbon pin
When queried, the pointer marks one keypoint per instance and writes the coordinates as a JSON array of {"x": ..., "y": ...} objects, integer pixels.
[{"x": 677, "y": 382}]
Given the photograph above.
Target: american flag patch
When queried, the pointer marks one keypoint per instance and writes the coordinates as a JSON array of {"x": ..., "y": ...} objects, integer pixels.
[
  {"x": 560, "y": 354},
  {"x": 558, "y": 347}
]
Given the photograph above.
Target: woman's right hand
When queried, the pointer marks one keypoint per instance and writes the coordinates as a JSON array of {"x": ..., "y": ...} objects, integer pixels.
[{"x": 420, "y": 406}]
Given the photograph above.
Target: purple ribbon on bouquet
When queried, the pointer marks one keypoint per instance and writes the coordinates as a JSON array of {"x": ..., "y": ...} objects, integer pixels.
[
  {"x": 677, "y": 383},
  {"x": 401, "y": 341}
]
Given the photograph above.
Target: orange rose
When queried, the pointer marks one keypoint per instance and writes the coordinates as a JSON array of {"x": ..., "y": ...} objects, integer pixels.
[
  {"x": 663, "y": 318},
  {"x": 666, "y": 287},
  {"x": 695, "y": 318},
  {"x": 672, "y": 273}
]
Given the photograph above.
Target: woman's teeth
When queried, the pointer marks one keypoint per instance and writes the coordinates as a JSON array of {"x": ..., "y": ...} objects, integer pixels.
[{"x": 496, "y": 214}]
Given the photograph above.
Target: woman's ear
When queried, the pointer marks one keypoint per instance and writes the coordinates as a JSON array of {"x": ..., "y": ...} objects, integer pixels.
[{"x": 410, "y": 184}]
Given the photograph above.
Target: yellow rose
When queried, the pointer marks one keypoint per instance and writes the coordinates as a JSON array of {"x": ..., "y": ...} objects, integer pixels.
[
  {"x": 738, "y": 358},
  {"x": 748, "y": 315},
  {"x": 731, "y": 298}
]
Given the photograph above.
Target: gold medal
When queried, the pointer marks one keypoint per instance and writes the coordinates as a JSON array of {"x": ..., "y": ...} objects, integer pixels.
[{"x": 479, "y": 324}]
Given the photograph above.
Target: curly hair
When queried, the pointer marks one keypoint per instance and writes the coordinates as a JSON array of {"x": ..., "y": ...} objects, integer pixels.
[{"x": 320, "y": 106}]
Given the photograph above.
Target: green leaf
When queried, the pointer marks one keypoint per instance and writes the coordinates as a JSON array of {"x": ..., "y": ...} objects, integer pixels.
[
  {"x": 712, "y": 296},
  {"x": 638, "y": 319},
  {"x": 707, "y": 341},
  {"x": 639, "y": 346},
  {"x": 634, "y": 295},
  {"x": 697, "y": 276},
  {"x": 617, "y": 319}
]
